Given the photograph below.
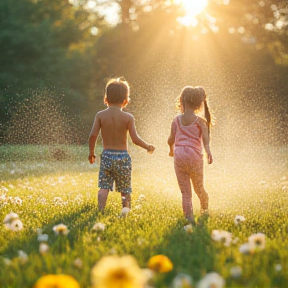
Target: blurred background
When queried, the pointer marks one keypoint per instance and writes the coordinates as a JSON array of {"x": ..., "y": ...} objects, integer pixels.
[{"x": 57, "y": 55}]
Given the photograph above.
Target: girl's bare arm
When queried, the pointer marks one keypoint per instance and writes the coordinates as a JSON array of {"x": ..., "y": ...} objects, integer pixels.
[{"x": 206, "y": 139}]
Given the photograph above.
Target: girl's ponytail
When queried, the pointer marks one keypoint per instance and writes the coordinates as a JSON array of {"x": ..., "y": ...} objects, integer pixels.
[{"x": 207, "y": 114}]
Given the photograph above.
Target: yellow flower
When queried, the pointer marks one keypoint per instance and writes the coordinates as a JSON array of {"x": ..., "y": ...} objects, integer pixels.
[
  {"x": 60, "y": 229},
  {"x": 56, "y": 281},
  {"x": 117, "y": 272},
  {"x": 160, "y": 263}
]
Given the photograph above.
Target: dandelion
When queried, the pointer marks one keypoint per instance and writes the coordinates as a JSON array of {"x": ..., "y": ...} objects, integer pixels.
[
  {"x": 160, "y": 263},
  {"x": 188, "y": 228},
  {"x": 238, "y": 219},
  {"x": 182, "y": 281},
  {"x": 141, "y": 197},
  {"x": 10, "y": 217},
  {"x": 211, "y": 279},
  {"x": 236, "y": 271},
  {"x": 257, "y": 241},
  {"x": 278, "y": 267},
  {"x": 7, "y": 261},
  {"x": 16, "y": 225},
  {"x": 245, "y": 249},
  {"x": 56, "y": 281},
  {"x": 60, "y": 229},
  {"x": 43, "y": 248},
  {"x": 117, "y": 272},
  {"x": 222, "y": 236},
  {"x": 99, "y": 226},
  {"x": 42, "y": 238},
  {"x": 78, "y": 263},
  {"x": 125, "y": 211},
  {"x": 23, "y": 257}
]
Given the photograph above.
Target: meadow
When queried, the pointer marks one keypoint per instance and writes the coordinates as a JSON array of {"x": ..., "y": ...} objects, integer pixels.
[{"x": 243, "y": 242}]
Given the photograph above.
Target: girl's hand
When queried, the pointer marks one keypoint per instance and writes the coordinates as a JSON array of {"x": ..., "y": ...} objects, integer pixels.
[
  {"x": 92, "y": 159},
  {"x": 210, "y": 158}
]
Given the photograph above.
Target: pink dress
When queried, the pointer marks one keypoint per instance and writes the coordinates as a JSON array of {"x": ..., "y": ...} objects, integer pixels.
[{"x": 188, "y": 163}]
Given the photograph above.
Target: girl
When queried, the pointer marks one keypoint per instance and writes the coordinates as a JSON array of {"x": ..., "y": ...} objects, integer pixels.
[{"x": 188, "y": 131}]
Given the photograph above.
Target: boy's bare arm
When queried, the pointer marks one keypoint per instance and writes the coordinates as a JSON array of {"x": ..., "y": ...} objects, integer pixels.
[
  {"x": 135, "y": 137},
  {"x": 171, "y": 141},
  {"x": 206, "y": 140},
  {"x": 93, "y": 137}
]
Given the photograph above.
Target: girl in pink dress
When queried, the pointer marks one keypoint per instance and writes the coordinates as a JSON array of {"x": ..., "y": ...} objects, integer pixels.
[{"x": 189, "y": 133}]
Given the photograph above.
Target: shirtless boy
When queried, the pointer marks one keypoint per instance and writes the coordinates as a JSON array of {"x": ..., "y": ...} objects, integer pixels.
[{"x": 114, "y": 124}]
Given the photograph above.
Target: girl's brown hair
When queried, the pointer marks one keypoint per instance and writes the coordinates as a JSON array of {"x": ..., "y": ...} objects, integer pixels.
[{"x": 194, "y": 97}]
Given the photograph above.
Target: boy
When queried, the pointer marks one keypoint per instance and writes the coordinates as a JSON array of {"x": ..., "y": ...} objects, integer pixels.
[{"x": 115, "y": 162}]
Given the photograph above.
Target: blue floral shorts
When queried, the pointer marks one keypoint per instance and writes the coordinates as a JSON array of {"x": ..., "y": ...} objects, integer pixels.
[{"x": 115, "y": 166}]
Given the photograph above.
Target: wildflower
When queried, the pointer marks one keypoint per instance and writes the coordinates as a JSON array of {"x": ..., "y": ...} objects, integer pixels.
[
  {"x": 125, "y": 211},
  {"x": 160, "y": 263},
  {"x": 117, "y": 272},
  {"x": 99, "y": 227},
  {"x": 56, "y": 281},
  {"x": 42, "y": 237},
  {"x": 16, "y": 225},
  {"x": 60, "y": 229},
  {"x": 238, "y": 219},
  {"x": 7, "y": 261},
  {"x": 257, "y": 241},
  {"x": 245, "y": 249},
  {"x": 23, "y": 257},
  {"x": 10, "y": 217},
  {"x": 278, "y": 267},
  {"x": 43, "y": 248},
  {"x": 188, "y": 228},
  {"x": 211, "y": 279},
  {"x": 182, "y": 281},
  {"x": 141, "y": 197},
  {"x": 222, "y": 236},
  {"x": 236, "y": 271},
  {"x": 78, "y": 263}
]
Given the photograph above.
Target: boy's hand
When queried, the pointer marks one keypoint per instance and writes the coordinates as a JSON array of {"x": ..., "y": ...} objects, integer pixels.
[
  {"x": 92, "y": 159},
  {"x": 150, "y": 149}
]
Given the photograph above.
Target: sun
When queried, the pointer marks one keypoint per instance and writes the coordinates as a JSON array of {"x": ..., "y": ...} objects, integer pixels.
[{"x": 192, "y": 9}]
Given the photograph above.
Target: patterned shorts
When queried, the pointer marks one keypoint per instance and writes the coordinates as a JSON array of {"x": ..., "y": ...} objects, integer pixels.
[{"x": 115, "y": 166}]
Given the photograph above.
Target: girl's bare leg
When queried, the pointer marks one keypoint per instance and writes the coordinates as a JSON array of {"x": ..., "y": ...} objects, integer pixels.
[
  {"x": 102, "y": 198},
  {"x": 198, "y": 185}
]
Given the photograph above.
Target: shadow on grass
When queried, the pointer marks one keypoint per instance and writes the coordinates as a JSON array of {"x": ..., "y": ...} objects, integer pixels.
[{"x": 192, "y": 253}]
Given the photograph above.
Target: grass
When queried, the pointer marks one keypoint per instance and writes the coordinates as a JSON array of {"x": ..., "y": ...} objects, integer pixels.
[{"x": 154, "y": 226}]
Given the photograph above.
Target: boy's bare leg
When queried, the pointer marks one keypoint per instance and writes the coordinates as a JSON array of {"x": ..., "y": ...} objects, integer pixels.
[
  {"x": 102, "y": 198},
  {"x": 126, "y": 200}
]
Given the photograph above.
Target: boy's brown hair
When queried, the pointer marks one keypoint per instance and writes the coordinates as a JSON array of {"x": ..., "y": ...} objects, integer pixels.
[{"x": 116, "y": 91}]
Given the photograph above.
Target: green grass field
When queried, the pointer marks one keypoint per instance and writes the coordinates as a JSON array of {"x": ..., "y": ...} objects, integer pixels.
[{"x": 46, "y": 187}]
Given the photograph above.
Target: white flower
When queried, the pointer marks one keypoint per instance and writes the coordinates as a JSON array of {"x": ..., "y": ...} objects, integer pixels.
[
  {"x": 60, "y": 229},
  {"x": 7, "y": 261},
  {"x": 245, "y": 248},
  {"x": 16, "y": 225},
  {"x": 18, "y": 200},
  {"x": 238, "y": 219},
  {"x": 42, "y": 237},
  {"x": 125, "y": 211},
  {"x": 278, "y": 267},
  {"x": 211, "y": 279},
  {"x": 222, "y": 236},
  {"x": 182, "y": 281},
  {"x": 10, "y": 217},
  {"x": 236, "y": 271},
  {"x": 257, "y": 241},
  {"x": 188, "y": 228},
  {"x": 43, "y": 248},
  {"x": 78, "y": 263},
  {"x": 99, "y": 226},
  {"x": 23, "y": 257}
]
